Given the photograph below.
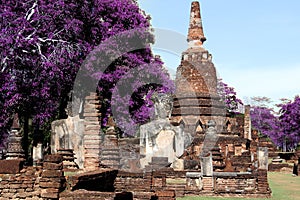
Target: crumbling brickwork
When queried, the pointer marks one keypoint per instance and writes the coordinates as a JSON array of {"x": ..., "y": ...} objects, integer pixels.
[
  {"x": 22, "y": 185},
  {"x": 34, "y": 183},
  {"x": 92, "y": 138},
  {"x": 52, "y": 180}
]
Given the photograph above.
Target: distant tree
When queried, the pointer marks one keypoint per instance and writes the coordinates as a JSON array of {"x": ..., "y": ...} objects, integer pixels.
[
  {"x": 283, "y": 127},
  {"x": 264, "y": 120},
  {"x": 260, "y": 101},
  {"x": 229, "y": 96},
  {"x": 290, "y": 122}
]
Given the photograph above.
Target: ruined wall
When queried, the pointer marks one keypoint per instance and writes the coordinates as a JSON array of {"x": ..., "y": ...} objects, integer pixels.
[
  {"x": 22, "y": 185},
  {"x": 243, "y": 184},
  {"x": 48, "y": 182},
  {"x": 33, "y": 183},
  {"x": 278, "y": 167},
  {"x": 127, "y": 181},
  {"x": 229, "y": 146},
  {"x": 52, "y": 180},
  {"x": 145, "y": 186},
  {"x": 98, "y": 184}
]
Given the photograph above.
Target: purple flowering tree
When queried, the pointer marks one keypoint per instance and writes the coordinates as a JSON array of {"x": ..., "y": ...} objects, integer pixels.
[
  {"x": 283, "y": 128},
  {"x": 290, "y": 123},
  {"x": 264, "y": 120},
  {"x": 229, "y": 96},
  {"x": 43, "y": 45}
]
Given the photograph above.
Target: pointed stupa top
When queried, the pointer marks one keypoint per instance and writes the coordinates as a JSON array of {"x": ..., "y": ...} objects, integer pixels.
[
  {"x": 16, "y": 123},
  {"x": 195, "y": 35}
]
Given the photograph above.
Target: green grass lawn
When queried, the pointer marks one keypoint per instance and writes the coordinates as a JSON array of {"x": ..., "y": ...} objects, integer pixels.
[{"x": 283, "y": 186}]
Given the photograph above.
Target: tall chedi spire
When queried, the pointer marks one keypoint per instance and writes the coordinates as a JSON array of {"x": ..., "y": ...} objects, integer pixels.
[
  {"x": 196, "y": 100},
  {"x": 195, "y": 35},
  {"x": 196, "y": 66}
]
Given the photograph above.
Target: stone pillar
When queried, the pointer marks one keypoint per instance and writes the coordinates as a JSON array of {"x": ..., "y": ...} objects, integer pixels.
[
  {"x": 263, "y": 158},
  {"x": 206, "y": 165},
  {"x": 247, "y": 123},
  {"x": 37, "y": 154},
  {"x": 194, "y": 181},
  {"x": 1, "y": 154},
  {"x": 211, "y": 139},
  {"x": 92, "y": 132}
]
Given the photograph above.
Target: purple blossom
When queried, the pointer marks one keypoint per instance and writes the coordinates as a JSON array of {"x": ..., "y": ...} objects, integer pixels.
[
  {"x": 228, "y": 95},
  {"x": 44, "y": 43},
  {"x": 283, "y": 129}
]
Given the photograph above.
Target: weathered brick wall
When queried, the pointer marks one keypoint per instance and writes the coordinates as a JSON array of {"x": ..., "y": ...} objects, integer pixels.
[
  {"x": 101, "y": 180},
  {"x": 242, "y": 163},
  {"x": 225, "y": 144},
  {"x": 34, "y": 183},
  {"x": 83, "y": 194},
  {"x": 278, "y": 167},
  {"x": 262, "y": 182},
  {"x": 127, "y": 181},
  {"x": 52, "y": 180},
  {"x": 137, "y": 183},
  {"x": 235, "y": 185},
  {"x": 145, "y": 186},
  {"x": 176, "y": 180},
  {"x": 169, "y": 184},
  {"x": 23, "y": 185}
]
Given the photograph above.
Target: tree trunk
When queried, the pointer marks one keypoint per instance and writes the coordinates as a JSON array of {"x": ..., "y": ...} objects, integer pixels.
[{"x": 25, "y": 136}]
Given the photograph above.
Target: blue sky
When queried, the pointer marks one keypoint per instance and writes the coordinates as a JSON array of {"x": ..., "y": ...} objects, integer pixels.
[{"x": 255, "y": 44}]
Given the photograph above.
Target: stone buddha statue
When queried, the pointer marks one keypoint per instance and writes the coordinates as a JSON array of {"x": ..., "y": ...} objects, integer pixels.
[{"x": 159, "y": 138}]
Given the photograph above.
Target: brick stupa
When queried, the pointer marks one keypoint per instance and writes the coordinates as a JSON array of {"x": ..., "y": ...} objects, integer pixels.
[{"x": 196, "y": 100}]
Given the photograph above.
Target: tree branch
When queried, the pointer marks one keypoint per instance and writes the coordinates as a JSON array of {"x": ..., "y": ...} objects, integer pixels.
[{"x": 31, "y": 10}]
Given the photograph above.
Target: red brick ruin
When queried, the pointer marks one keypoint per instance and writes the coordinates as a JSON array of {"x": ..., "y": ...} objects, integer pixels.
[{"x": 223, "y": 157}]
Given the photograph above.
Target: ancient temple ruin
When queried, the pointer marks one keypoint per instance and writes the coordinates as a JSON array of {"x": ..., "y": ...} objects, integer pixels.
[
  {"x": 199, "y": 108},
  {"x": 194, "y": 146},
  {"x": 206, "y": 149}
]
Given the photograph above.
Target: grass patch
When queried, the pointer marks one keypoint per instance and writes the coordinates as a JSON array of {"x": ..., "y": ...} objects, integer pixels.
[
  {"x": 283, "y": 186},
  {"x": 176, "y": 181}
]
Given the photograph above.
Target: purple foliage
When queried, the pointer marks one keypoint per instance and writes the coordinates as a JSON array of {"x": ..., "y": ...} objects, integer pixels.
[
  {"x": 283, "y": 129},
  {"x": 44, "y": 43},
  {"x": 290, "y": 122},
  {"x": 264, "y": 120},
  {"x": 229, "y": 96}
]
